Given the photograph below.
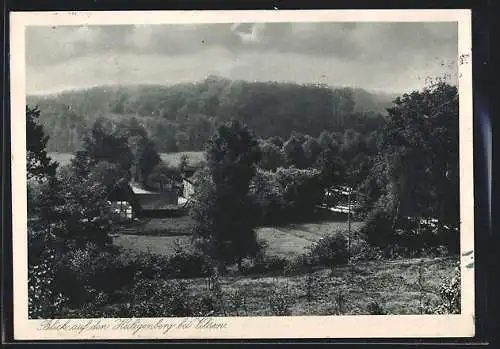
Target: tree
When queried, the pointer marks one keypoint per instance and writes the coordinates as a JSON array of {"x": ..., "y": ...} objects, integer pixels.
[
  {"x": 271, "y": 155},
  {"x": 182, "y": 141},
  {"x": 144, "y": 153},
  {"x": 183, "y": 163},
  {"x": 163, "y": 174},
  {"x": 44, "y": 194},
  {"x": 85, "y": 210},
  {"x": 39, "y": 165},
  {"x": 268, "y": 195},
  {"x": 302, "y": 190},
  {"x": 294, "y": 153},
  {"x": 223, "y": 209},
  {"x": 312, "y": 149},
  {"x": 418, "y": 172},
  {"x": 332, "y": 168},
  {"x": 325, "y": 139},
  {"x": 103, "y": 145},
  {"x": 276, "y": 140},
  {"x": 147, "y": 159}
]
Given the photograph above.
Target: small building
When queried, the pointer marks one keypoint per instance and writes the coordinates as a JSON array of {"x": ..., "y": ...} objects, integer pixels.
[
  {"x": 187, "y": 188},
  {"x": 130, "y": 201},
  {"x": 341, "y": 199},
  {"x": 188, "y": 183},
  {"x": 123, "y": 202},
  {"x": 158, "y": 205}
]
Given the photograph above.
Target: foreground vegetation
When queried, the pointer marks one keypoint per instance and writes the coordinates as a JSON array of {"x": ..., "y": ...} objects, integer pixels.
[{"x": 366, "y": 288}]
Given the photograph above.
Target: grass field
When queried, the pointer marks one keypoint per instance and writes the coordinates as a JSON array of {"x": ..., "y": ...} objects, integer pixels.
[
  {"x": 62, "y": 158},
  {"x": 346, "y": 290},
  {"x": 173, "y": 159},
  {"x": 287, "y": 241}
]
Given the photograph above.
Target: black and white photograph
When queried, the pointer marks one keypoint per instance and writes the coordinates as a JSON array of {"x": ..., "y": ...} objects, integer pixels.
[{"x": 233, "y": 168}]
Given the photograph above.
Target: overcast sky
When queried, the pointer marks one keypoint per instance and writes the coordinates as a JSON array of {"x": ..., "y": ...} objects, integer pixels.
[{"x": 391, "y": 57}]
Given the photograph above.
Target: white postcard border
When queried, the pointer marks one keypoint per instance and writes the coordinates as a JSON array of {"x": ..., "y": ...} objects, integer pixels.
[{"x": 404, "y": 326}]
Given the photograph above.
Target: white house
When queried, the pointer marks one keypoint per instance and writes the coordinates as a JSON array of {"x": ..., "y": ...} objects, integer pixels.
[{"x": 188, "y": 188}]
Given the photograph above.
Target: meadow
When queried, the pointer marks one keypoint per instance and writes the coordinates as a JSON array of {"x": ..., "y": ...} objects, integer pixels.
[
  {"x": 344, "y": 290},
  {"x": 172, "y": 159},
  {"x": 400, "y": 286},
  {"x": 160, "y": 236}
]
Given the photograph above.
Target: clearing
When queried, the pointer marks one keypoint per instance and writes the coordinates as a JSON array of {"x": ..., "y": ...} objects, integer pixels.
[
  {"x": 159, "y": 236},
  {"x": 173, "y": 159},
  {"x": 345, "y": 290}
]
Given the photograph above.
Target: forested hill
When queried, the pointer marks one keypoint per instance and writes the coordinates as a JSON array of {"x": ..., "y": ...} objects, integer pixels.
[{"x": 182, "y": 117}]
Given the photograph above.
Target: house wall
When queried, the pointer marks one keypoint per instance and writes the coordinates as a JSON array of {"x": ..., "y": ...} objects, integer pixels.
[
  {"x": 122, "y": 209},
  {"x": 188, "y": 190}
]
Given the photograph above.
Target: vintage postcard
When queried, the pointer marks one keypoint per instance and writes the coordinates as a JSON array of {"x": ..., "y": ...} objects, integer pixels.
[{"x": 242, "y": 174}]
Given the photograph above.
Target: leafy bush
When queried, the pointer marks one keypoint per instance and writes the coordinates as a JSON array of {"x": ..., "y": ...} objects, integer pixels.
[
  {"x": 267, "y": 195},
  {"x": 375, "y": 309},
  {"x": 378, "y": 228},
  {"x": 280, "y": 300},
  {"x": 329, "y": 251},
  {"x": 286, "y": 193},
  {"x": 273, "y": 265},
  {"x": 43, "y": 299},
  {"x": 188, "y": 264},
  {"x": 89, "y": 270},
  {"x": 340, "y": 301},
  {"x": 302, "y": 189},
  {"x": 237, "y": 302},
  {"x": 159, "y": 298},
  {"x": 363, "y": 251},
  {"x": 450, "y": 238},
  {"x": 450, "y": 293},
  {"x": 208, "y": 303}
]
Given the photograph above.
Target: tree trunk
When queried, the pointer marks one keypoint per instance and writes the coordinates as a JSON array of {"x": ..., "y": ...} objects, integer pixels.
[
  {"x": 240, "y": 260},
  {"x": 396, "y": 215}
]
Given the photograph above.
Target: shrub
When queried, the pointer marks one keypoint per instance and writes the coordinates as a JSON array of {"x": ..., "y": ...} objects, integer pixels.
[
  {"x": 280, "y": 300},
  {"x": 310, "y": 283},
  {"x": 91, "y": 269},
  {"x": 450, "y": 293},
  {"x": 363, "y": 251},
  {"x": 329, "y": 251},
  {"x": 237, "y": 302},
  {"x": 188, "y": 264},
  {"x": 450, "y": 237},
  {"x": 159, "y": 298},
  {"x": 43, "y": 299},
  {"x": 273, "y": 265},
  {"x": 286, "y": 193},
  {"x": 378, "y": 228},
  {"x": 340, "y": 302},
  {"x": 208, "y": 304},
  {"x": 375, "y": 309}
]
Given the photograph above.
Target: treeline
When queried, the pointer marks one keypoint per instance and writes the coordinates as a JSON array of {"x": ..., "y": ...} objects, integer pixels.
[{"x": 184, "y": 116}]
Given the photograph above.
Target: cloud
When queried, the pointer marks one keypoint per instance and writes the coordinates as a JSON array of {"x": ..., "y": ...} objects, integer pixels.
[
  {"x": 379, "y": 55},
  {"x": 253, "y": 36}
]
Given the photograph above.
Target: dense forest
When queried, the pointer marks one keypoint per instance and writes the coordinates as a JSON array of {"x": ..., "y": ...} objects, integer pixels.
[{"x": 182, "y": 117}]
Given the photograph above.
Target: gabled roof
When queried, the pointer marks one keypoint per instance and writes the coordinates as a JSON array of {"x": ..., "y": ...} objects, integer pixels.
[
  {"x": 122, "y": 191},
  {"x": 158, "y": 201},
  {"x": 138, "y": 190}
]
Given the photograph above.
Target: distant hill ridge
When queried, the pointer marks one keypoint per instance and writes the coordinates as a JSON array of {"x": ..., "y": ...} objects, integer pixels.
[{"x": 181, "y": 117}]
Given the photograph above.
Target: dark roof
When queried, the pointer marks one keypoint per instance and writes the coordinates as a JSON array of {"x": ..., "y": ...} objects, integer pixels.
[
  {"x": 158, "y": 201},
  {"x": 122, "y": 191}
]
